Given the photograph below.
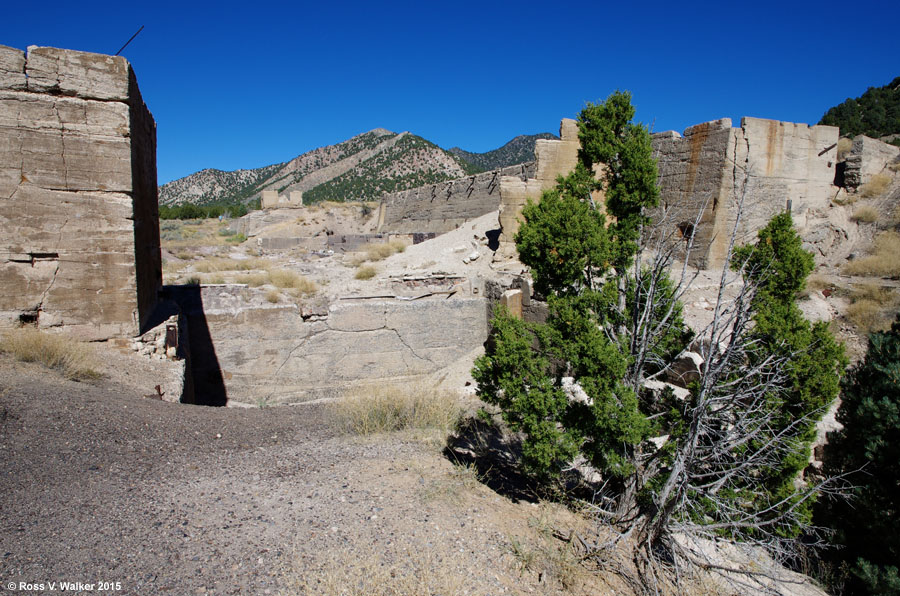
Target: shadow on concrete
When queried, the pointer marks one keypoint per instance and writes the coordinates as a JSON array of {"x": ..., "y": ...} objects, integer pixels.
[{"x": 197, "y": 346}]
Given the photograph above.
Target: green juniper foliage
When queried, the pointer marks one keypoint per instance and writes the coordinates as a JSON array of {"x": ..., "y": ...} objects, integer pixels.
[
  {"x": 869, "y": 524},
  {"x": 614, "y": 321}
]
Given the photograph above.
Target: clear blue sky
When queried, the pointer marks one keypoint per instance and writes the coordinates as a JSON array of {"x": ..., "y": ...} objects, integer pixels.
[{"x": 246, "y": 84}]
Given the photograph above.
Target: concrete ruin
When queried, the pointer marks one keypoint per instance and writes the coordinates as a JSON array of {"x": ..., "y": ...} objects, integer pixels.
[
  {"x": 78, "y": 195},
  {"x": 288, "y": 354},
  {"x": 439, "y": 208},
  {"x": 714, "y": 171},
  {"x": 271, "y": 199},
  {"x": 867, "y": 158},
  {"x": 705, "y": 176}
]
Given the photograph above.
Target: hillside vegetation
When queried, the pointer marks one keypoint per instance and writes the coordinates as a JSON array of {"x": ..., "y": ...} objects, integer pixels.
[
  {"x": 411, "y": 162},
  {"x": 875, "y": 114},
  {"x": 519, "y": 150},
  {"x": 361, "y": 168}
]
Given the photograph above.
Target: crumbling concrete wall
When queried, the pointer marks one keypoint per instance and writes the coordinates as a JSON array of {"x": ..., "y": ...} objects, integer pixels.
[
  {"x": 79, "y": 229},
  {"x": 447, "y": 205},
  {"x": 715, "y": 172},
  {"x": 552, "y": 159},
  {"x": 271, "y": 199},
  {"x": 706, "y": 177},
  {"x": 867, "y": 158},
  {"x": 286, "y": 355}
]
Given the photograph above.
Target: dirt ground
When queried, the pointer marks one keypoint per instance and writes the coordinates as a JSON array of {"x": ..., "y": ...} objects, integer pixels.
[{"x": 101, "y": 484}]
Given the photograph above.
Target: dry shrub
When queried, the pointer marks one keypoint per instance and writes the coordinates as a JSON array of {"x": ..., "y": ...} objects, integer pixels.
[
  {"x": 869, "y": 316},
  {"x": 865, "y": 214},
  {"x": 883, "y": 261},
  {"x": 876, "y": 186},
  {"x": 273, "y": 296},
  {"x": 218, "y": 264},
  {"x": 878, "y": 294},
  {"x": 285, "y": 279},
  {"x": 365, "y": 272},
  {"x": 75, "y": 360},
  {"x": 872, "y": 308},
  {"x": 372, "y": 410},
  {"x": 844, "y": 145},
  {"x": 254, "y": 280},
  {"x": 378, "y": 252}
]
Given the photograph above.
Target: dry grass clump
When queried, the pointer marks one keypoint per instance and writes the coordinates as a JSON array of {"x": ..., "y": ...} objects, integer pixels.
[
  {"x": 365, "y": 272},
  {"x": 373, "y": 410},
  {"x": 254, "y": 280},
  {"x": 76, "y": 360},
  {"x": 883, "y": 261},
  {"x": 220, "y": 264},
  {"x": 876, "y": 186},
  {"x": 872, "y": 308},
  {"x": 285, "y": 279},
  {"x": 844, "y": 145},
  {"x": 894, "y": 167},
  {"x": 865, "y": 214},
  {"x": 273, "y": 296},
  {"x": 378, "y": 252}
]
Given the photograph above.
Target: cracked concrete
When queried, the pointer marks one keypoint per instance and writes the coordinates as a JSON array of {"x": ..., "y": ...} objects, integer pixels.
[
  {"x": 68, "y": 185},
  {"x": 268, "y": 352}
]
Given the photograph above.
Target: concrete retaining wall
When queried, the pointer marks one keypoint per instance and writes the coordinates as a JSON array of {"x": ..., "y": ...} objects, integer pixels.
[
  {"x": 445, "y": 206},
  {"x": 272, "y": 353}
]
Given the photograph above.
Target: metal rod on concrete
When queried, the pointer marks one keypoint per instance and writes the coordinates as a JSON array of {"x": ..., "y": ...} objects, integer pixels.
[{"x": 129, "y": 41}]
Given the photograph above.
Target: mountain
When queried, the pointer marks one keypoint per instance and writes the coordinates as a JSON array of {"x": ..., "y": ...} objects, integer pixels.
[
  {"x": 876, "y": 113},
  {"x": 360, "y": 168},
  {"x": 519, "y": 150}
]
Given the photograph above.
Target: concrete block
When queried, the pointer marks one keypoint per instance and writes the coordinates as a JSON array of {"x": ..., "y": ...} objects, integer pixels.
[
  {"x": 12, "y": 68},
  {"x": 81, "y": 74},
  {"x": 512, "y": 300}
]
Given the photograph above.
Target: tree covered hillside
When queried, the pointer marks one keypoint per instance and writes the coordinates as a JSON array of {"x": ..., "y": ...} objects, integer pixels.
[{"x": 875, "y": 114}]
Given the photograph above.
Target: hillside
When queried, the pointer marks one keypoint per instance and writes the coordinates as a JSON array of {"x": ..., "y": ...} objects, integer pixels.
[
  {"x": 876, "y": 113},
  {"x": 360, "y": 168},
  {"x": 518, "y": 150}
]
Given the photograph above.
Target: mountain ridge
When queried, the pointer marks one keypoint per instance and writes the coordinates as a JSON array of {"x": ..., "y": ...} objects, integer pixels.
[{"x": 362, "y": 168}]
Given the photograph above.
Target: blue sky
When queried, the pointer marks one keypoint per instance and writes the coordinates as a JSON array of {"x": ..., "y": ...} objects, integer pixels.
[{"x": 246, "y": 84}]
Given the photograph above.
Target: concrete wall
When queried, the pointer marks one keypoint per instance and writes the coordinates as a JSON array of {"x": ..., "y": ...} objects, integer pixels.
[
  {"x": 274, "y": 353},
  {"x": 714, "y": 170},
  {"x": 445, "y": 206},
  {"x": 552, "y": 159},
  {"x": 79, "y": 231},
  {"x": 867, "y": 158},
  {"x": 703, "y": 175},
  {"x": 270, "y": 199}
]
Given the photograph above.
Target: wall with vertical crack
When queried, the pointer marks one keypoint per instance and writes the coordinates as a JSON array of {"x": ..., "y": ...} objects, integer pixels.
[
  {"x": 79, "y": 232},
  {"x": 715, "y": 173}
]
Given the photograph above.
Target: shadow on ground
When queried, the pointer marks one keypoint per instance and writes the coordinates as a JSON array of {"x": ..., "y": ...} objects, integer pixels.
[{"x": 495, "y": 455}]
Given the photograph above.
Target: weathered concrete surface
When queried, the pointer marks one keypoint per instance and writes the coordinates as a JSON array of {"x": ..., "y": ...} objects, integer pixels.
[
  {"x": 867, "y": 157},
  {"x": 706, "y": 177},
  {"x": 552, "y": 159},
  {"x": 12, "y": 69},
  {"x": 271, "y": 199},
  {"x": 714, "y": 172},
  {"x": 78, "y": 206},
  {"x": 439, "y": 208},
  {"x": 272, "y": 353}
]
